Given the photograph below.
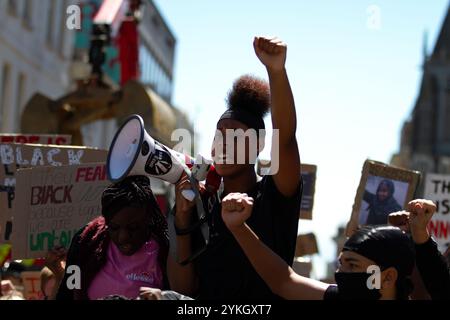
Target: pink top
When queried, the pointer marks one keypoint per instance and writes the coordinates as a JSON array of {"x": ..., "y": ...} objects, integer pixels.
[{"x": 124, "y": 275}]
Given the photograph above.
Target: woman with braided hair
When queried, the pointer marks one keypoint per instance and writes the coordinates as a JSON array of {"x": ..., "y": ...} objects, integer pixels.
[{"x": 124, "y": 249}]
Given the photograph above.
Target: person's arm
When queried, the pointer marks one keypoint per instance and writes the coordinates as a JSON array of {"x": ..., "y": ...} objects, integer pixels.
[
  {"x": 278, "y": 275},
  {"x": 6, "y": 288},
  {"x": 56, "y": 262},
  {"x": 433, "y": 270},
  {"x": 182, "y": 279},
  {"x": 368, "y": 197},
  {"x": 272, "y": 53},
  {"x": 430, "y": 262},
  {"x": 73, "y": 254}
]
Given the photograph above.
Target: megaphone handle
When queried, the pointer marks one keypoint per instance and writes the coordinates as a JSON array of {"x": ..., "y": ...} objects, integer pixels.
[
  {"x": 188, "y": 194},
  {"x": 198, "y": 202}
]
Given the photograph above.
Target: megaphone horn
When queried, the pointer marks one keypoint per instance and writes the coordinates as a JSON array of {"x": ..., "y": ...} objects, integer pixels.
[{"x": 134, "y": 152}]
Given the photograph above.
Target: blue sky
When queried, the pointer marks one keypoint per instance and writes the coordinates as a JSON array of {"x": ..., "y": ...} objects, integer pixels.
[{"x": 354, "y": 81}]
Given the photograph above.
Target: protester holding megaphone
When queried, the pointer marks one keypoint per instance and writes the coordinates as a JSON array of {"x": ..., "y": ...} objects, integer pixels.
[{"x": 222, "y": 271}]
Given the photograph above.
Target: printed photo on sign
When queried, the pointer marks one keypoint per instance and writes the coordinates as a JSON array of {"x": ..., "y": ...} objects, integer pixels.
[
  {"x": 381, "y": 197},
  {"x": 383, "y": 189}
]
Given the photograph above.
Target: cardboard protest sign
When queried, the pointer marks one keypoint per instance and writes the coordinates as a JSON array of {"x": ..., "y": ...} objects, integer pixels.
[
  {"x": 54, "y": 139},
  {"x": 54, "y": 203},
  {"x": 306, "y": 245},
  {"x": 302, "y": 267},
  {"x": 31, "y": 281},
  {"x": 382, "y": 190},
  {"x": 308, "y": 172},
  {"x": 15, "y": 156},
  {"x": 437, "y": 189}
]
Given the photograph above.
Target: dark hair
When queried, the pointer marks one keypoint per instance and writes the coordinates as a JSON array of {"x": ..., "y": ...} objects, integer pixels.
[
  {"x": 388, "y": 247},
  {"x": 13, "y": 269},
  {"x": 114, "y": 297},
  {"x": 251, "y": 94},
  {"x": 389, "y": 184},
  {"x": 135, "y": 191},
  {"x": 94, "y": 239}
]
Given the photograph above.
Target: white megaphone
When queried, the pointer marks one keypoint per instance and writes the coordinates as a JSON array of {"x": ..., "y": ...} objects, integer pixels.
[{"x": 134, "y": 152}]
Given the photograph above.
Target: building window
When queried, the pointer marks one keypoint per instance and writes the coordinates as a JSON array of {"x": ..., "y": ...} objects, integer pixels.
[
  {"x": 27, "y": 14},
  {"x": 153, "y": 74},
  {"x": 50, "y": 24},
  {"x": 155, "y": 21},
  {"x": 12, "y": 7},
  {"x": 4, "y": 97},
  {"x": 20, "y": 94},
  {"x": 62, "y": 32}
]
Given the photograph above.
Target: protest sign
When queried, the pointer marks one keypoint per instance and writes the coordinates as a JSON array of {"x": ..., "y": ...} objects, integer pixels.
[
  {"x": 54, "y": 139},
  {"x": 382, "y": 190},
  {"x": 309, "y": 172},
  {"x": 54, "y": 203},
  {"x": 31, "y": 281},
  {"x": 306, "y": 245},
  {"x": 15, "y": 156},
  {"x": 437, "y": 189}
]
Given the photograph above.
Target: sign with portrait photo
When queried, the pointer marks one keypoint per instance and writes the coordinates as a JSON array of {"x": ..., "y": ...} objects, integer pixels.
[{"x": 382, "y": 190}]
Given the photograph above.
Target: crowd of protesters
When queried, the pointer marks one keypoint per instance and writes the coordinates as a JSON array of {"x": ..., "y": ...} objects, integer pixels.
[{"x": 252, "y": 221}]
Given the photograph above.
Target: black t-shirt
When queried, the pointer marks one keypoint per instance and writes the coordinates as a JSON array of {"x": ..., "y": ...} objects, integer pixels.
[
  {"x": 332, "y": 293},
  {"x": 223, "y": 269}
]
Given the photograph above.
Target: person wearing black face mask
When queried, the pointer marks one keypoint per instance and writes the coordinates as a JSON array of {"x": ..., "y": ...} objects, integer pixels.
[
  {"x": 375, "y": 264},
  {"x": 388, "y": 248}
]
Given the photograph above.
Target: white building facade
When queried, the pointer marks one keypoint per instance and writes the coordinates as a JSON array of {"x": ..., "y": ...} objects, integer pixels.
[{"x": 36, "y": 50}]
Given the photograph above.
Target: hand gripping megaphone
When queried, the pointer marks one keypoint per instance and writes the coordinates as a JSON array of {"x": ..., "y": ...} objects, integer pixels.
[{"x": 134, "y": 152}]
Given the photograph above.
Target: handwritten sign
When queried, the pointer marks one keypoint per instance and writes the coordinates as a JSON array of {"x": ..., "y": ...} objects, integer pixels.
[
  {"x": 16, "y": 156},
  {"x": 306, "y": 245},
  {"x": 437, "y": 189},
  {"x": 56, "y": 139},
  {"x": 54, "y": 203},
  {"x": 32, "y": 285}
]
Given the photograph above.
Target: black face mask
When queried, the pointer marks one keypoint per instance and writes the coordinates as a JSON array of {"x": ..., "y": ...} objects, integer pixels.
[{"x": 353, "y": 286}]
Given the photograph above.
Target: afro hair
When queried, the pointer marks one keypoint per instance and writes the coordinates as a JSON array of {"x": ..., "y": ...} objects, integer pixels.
[{"x": 251, "y": 94}]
